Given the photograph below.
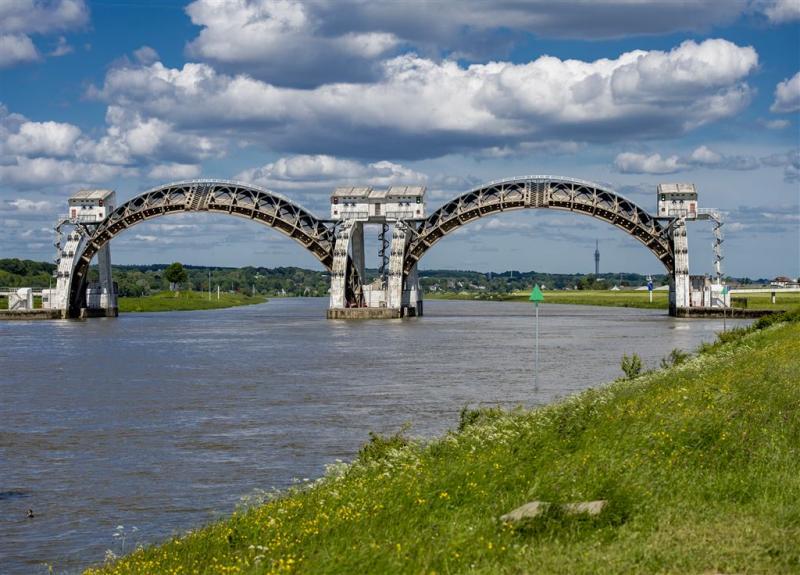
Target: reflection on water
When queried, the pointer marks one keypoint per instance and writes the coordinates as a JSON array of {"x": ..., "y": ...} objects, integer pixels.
[{"x": 163, "y": 421}]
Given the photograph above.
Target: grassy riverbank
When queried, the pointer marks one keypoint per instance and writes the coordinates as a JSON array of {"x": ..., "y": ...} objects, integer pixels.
[
  {"x": 578, "y": 297},
  {"x": 185, "y": 301},
  {"x": 638, "y": 299},
  {"x": 700, "y": 465}
]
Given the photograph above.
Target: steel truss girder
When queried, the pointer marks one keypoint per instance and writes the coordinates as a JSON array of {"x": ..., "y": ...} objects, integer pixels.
[
  {"x": 541, "y": 192},
  {"x": 216, "y": 196}
]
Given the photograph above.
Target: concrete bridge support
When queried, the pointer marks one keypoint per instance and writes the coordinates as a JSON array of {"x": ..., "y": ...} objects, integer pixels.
[
  {"x": 341, "y": 260},
  {"x": 402, "y": 291},
  {"x": 399, "y": 296},
  {"x": 679, "y": 283},
  {"x": 101, "y": 297}
]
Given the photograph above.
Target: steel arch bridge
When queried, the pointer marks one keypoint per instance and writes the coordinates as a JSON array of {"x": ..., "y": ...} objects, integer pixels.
[
  {"x": 330, "y": 242},
  {"x": 552, "y": 192},
  {"x": 215, "y": 196}
]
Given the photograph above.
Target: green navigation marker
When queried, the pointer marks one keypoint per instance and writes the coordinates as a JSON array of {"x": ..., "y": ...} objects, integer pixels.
[
  {"x": 724, "y": 291},
  {"x": 536, "y": 295}
]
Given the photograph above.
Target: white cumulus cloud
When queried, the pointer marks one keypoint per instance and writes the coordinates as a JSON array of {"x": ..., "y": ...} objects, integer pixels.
[
  {"x": 282, "y": 40},
  {"x": 19, "y": 19},
  {"x": 701, "y": 157},
  {"x": 34, "y": 172},
  {"x": 787, "y": 95},
  {"x": 326, "y": 172},
  {"x": 780, "y": 11},
  {"x": 30, "y": 152},
  {"x": 15, "y": 49},
  {"x": 421, "y": 107},
  {"x": 26, "y": 205},
  {"x": 312, "y": 42},
  {"x": 633, "y": 163},
  {"x": 44, "y": 138},
  {"x": 174, "y": 171}
]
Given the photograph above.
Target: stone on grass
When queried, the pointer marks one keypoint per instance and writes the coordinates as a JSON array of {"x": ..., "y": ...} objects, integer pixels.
[
  {"x": 536, "y": 508},
  {"x": 529, "y": 510}
]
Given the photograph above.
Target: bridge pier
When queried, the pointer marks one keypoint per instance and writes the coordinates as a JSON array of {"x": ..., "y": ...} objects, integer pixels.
[
  {"x": 88, "y": 208},
  {"x": 679, "y": 281},
  {"x": 397, "y": 294},
  {"x": 101, "y": 298}
]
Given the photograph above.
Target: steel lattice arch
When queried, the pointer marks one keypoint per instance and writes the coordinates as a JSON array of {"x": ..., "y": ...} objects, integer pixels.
[
  {"x": 329, "y": 240},
  {"x": 552, "y": 192},
  {"x": 216, "y": 196}
]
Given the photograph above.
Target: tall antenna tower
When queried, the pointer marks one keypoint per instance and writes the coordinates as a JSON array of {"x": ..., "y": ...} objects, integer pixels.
[{"x": 596, "y": 258}]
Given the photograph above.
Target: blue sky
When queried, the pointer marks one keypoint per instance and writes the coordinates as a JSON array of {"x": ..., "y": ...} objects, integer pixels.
[{"x": 300, "y": 97}]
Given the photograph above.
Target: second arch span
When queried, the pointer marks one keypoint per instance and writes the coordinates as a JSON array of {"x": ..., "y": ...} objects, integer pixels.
[{"x": 553, "y": 192}]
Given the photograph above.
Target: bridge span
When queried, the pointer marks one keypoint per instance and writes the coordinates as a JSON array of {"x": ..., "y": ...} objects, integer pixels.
[{"x": 337, "y": 241}]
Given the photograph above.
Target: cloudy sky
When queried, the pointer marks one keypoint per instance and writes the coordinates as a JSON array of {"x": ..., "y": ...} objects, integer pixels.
[{"x": 302, "y": 96}]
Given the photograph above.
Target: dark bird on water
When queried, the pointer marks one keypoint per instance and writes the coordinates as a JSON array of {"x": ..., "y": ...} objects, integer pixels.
[{"x": 30, "y": 514}]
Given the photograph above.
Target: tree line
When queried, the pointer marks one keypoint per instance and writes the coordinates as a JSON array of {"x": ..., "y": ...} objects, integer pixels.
[{"x": 139, "y": 280}]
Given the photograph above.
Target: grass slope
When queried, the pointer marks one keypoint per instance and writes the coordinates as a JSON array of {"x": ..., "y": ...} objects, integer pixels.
[
  {"x": 185, "y": 301},
  {"x": 700, "y": 464}
]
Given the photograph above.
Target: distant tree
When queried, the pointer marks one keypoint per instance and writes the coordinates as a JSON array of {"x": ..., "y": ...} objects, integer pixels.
[{"x": 175, "y": 275}]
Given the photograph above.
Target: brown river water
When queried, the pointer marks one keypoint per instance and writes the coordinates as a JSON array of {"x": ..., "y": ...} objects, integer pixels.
[{"x": 119, "y": 432}]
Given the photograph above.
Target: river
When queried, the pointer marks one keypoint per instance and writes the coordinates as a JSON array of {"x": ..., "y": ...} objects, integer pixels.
[{"x": 161, "y": 422}]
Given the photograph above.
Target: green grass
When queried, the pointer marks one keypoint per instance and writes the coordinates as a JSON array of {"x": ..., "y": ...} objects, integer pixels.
[
  {"x": 700, "y": 465},
  {"x": 623, "y": 298},
  {"x": 578, "y": 297},
  {"x": 785, "y": 301},
  {"x": 185, "y": 301}
]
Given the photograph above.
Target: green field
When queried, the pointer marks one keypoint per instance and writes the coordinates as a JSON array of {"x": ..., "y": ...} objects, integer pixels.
[
  {"x": 786, "y": 301},
  {"x": 185, "y": 301},
  {"x": 623, "y": 298},
  {"x": 578, "y": 297},
  {"x": 699, "y": 463}
]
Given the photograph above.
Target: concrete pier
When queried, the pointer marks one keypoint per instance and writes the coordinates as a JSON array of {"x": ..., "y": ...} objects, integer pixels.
[
  {"x": 31, "y": 314},
  {"x": 364, "y": 313}
]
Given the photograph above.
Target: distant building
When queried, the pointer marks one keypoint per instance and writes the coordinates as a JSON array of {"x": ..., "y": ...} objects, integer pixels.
[{"x": 783, "y": 281}]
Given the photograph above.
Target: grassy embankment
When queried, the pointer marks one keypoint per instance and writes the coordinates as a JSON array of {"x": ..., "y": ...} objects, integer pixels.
[
  {"x": 640, "y": 299},
  {"x": 700, "y": 465},
  {"x": 185, "y": 301}
]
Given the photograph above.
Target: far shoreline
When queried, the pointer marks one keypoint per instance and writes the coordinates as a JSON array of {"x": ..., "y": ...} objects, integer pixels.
[{"x": 186, "y": 301}]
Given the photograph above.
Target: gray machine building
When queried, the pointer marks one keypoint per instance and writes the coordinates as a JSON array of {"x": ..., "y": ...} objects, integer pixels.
[{"x": 405, "y": 233}]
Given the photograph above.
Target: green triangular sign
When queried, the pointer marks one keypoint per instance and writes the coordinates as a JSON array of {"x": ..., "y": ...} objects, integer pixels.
[{"x": 536, "y": 294}]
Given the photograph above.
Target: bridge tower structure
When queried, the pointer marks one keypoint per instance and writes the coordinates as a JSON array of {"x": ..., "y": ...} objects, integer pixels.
[
  {"x": 87, "y": 210},
  {"x": 677, "y": 204},
  {"x": 393, "y": 293}
]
